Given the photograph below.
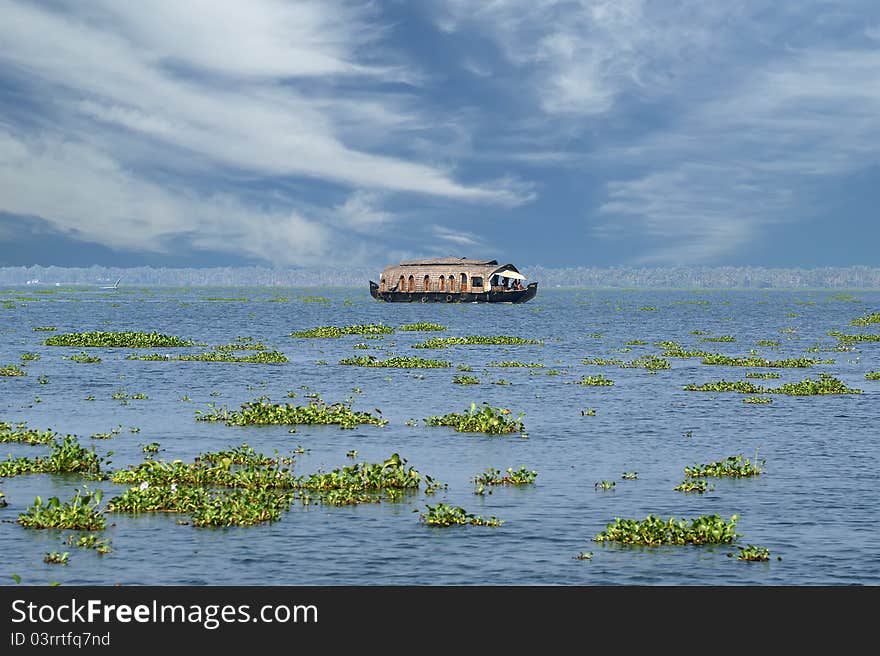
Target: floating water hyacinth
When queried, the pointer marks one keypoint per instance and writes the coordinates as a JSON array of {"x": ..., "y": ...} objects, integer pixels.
[
  {"x": 487, "y": 419},
  {"x": 655, "y": 531},
  {"x": 127, "y": 339}
]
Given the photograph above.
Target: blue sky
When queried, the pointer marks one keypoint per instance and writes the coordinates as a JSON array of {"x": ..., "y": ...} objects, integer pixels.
[{"x": 322, "y": 132}]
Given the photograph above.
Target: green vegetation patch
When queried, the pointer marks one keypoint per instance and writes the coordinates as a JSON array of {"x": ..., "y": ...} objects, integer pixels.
[
  {"x": 22, "y": 434},
  {"x": 337, "y": 331},
  {"x": 316, "y": 412},
  {"x": 400, "y": 362},
  {"x": 83, "y": 357},
  {"x": 260, "y": 357},
  {"x": 753, "y": 553},
  {"x": 873, "y": 375},
  {"x": 443, "y": 514},
  {"x": 81, "y": 513},
  {"x": 515, "y": 363},
  {"x": 654, "y": 531},
  {"x": 874, "y": 317},
  {"x": 422, "y": 326},
  {"x": 521, "y": 476},
  {"x": 486, "y": 419},
  {"x": 465, "y": 380},
  {"x": 732, "y": 466},
  {"x": 12, "y": 370},
  {"x": 696, "y": 486},
  {"x": 825, "y": 385},
  {"x": 758, "y": 400},
  {"x": 66, "y": 456},
  {"x": 445, "y": 342},
  {"x": 719, "y": 359},
  {"x": 598, "y": 381},
  {"x": 116, "y": 340}
]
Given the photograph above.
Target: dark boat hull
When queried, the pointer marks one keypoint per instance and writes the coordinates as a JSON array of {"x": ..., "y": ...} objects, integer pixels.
[{"x": 509, "y": 296}]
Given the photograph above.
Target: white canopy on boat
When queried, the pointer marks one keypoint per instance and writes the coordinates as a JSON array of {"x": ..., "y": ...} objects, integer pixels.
[{"x": 507, "y": 273}]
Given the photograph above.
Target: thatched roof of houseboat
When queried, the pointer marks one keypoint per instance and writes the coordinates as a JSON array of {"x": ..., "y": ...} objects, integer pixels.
[{"x": 446, "y": 267}]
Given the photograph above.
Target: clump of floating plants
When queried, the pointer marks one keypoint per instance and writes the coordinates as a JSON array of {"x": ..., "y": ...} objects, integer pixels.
[
  {"x": 241, "y": 508},
  {"x": 742, "y": 386},
  {"x": 465, "y": 380},
  {"x": 81, "y": 513},
  {"x": 605, "y": 486},
  {"x": 260, "y": 357},
  {"x": 12, "y": 370},
  {"x": 521, "y": 476},
  {"x": 316, "y": 412},
  {"x": 718, "y": 338},
  {"x": 763, "y": 374},
  {"x": 29, "y": 357},
  {"x": 391, "y": 474},
  {"x": 855, "y": 338},
  {"x": 752, "y": 553},
  {"x": 400, "y": 362},
  {"x": 444, "y": 342},
  {"x": 258, "y": 490},
  {"x": 243, "y": 455},
  {"x": 654, "y": 531},
  {"x": 242, "y": 344},
  {"x": 3, "y": 501},
  {"x": 873, "y": 375},
  {"x": 486, "y": 419},
  {"x": 698, "y": 486},
  {"x": 598, "y": 380},
  {"x": 673, "y": 350},
  {"x": 83, "y": 357},
  {"x": 65, "y": 457},
  {"x": 603, "y": 361},
  {"x": 55, "y": 558},
  {"x": 100, "y": 545},
  {"x": 874, "y": 317},
  {"x": 116, "y": 340},
  {"x": 422, "y": 326},
  {"x": 336, "y": 331},
  {"x": 768, "y": 343},
  {"x": 647, "y": 362},
  {"x": 22, "y": 434},
  {"x": 629, "y": 476},
  {"x": 515, "y": 363},
  {"x": 718, "y": 358},
  {"x": 443, "y": 514},
  {"x": 826, "y": 384},
  {"x": 758, "y": 400},
  {"x": 44, "y": 329},
  {"x": 732, "y": 466}
]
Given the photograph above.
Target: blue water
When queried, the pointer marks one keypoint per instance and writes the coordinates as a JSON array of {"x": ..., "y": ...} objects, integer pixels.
[{"x": 816, "y": 505}]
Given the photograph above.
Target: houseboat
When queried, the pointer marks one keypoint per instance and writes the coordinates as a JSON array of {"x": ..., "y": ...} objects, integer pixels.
[{"x": 452, "y": 280}]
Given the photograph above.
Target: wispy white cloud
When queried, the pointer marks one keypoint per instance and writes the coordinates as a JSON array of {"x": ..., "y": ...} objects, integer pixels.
[
  {"x": 745, "y": 160},
  {"x": 457, "y": 237},
  {"x": 218, "y": 86},
  {"x": 361, "y": 211}
]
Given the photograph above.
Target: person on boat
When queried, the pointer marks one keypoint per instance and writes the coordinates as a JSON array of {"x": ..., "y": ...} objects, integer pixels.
[{"x": 517, "y": 285}]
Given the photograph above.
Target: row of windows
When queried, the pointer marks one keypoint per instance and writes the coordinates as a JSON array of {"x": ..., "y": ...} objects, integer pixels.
[{"x": 450, "y": 283}]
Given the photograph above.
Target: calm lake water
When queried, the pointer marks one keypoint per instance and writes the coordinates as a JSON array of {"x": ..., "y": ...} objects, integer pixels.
[{"x": 816, "y": 504}]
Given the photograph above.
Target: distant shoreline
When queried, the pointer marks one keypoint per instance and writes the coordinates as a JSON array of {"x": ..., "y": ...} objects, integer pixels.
[{"x": 854, "y": 278}]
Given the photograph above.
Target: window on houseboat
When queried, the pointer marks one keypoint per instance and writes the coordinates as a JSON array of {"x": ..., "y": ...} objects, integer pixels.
[{"x": 476, "y": 282}]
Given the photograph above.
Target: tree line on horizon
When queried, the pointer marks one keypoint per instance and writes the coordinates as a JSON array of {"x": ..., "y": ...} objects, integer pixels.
[{"x": 854, "y": 277}]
